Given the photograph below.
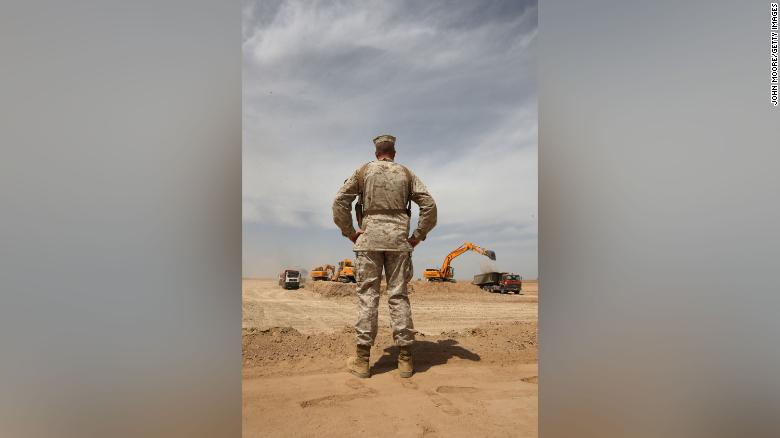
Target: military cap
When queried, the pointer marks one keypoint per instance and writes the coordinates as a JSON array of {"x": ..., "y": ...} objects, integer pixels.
[{"x": 383, "y": 138}]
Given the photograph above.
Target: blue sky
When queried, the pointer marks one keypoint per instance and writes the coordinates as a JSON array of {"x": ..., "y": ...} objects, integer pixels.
[{"x": 455, "y": 82}]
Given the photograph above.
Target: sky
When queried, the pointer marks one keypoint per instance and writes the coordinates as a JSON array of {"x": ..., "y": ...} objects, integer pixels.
[{"x": 453, "y": 81}]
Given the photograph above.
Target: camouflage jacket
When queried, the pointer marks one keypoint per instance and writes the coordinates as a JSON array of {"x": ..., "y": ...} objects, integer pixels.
[{"x": 385, "y": 187}]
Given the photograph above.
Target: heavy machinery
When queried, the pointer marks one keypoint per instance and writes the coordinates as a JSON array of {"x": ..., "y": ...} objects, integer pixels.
[
  {"x": 502, "y": 282},
  {"x": 290, "y": 279},
  {"x": 446, "y": 272},
  {"x": 323, "y": 273},
  {"x": 345, "y": 272}
]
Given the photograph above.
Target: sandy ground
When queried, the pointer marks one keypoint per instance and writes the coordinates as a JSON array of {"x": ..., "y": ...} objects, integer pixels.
[
  {"x": 436, "y": 307},
  {"x": 475, "y": 360}
]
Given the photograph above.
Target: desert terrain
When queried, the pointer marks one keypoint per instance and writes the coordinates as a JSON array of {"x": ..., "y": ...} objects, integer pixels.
[{"x": 475, "y": 361}]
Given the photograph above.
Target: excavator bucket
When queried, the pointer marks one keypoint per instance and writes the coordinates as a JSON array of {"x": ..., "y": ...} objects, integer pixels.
[{"x": 490, "y": 254}]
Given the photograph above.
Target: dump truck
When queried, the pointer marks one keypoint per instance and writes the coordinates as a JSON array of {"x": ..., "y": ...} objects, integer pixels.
[
  {"x": 323, "y": 273},
  {"x": 290, "y": 279},
  {"x": 502, "y": 282},
  {"x": 446, "y": 272},
  {"x": 345, "y": 272}
]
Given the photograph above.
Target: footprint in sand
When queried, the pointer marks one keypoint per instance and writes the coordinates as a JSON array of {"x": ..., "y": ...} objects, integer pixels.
[
  {"x": 427, "y": 430},
  {"x": 333, "y": 399},
  {"x": 361, "y": 392},
  {"x": 408, "y": 384},
  {"x": 354, "y": 384},
  {"x": 532, "y": 379},
  {"x": 456, "y": 389},
  {"x": 443, "y": 404}
]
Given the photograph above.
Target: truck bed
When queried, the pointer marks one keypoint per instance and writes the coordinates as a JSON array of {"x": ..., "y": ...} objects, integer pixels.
[{"x": 487, "y": 278}]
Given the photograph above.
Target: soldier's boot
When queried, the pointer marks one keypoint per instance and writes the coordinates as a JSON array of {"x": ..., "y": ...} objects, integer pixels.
[
  {"x": 405, "y": 364},
  {"x": 358, "y": 364}
]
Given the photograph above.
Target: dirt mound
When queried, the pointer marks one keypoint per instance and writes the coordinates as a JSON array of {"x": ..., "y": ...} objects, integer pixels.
[
  {"x": 284, "y": 350},
  {"x": 446, "y": 288},
  {"x": 285, "y": 343},
  {"x": 334, "y": 289},
  {"x": 465, "y": 287},
  {"x": 465, "y": 291},
  {"x": 423, "y": 288}
]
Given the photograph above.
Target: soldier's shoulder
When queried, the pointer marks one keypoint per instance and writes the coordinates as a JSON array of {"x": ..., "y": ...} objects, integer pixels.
[
  {"x": 363, "y": 166},
  {"x": 404, "y": 168}
]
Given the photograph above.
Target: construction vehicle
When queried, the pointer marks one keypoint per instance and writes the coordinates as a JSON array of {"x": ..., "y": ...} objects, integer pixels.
[
  {"x": 290, "y": 279},
  {"x": 345, "y": 272},
  {"x": 446, "y": 272},
  {"x": 502, "y": 282},
  {"x": 323, "y": 273}
]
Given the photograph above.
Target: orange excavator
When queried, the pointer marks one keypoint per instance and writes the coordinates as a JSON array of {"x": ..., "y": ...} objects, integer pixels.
[
  {"x": 446, "y": 273},
  {"x": 345, "y": 272},
  {"x": 322, "y": 272}
]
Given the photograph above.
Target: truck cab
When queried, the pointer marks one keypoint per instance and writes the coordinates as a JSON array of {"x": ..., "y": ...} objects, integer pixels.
[
  {"x": 511, "y": 283},
  {"x": 290, "y": 279}
]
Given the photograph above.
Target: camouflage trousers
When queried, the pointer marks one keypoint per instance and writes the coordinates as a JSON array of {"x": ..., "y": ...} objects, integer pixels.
[{"x": 397, "y": 266}]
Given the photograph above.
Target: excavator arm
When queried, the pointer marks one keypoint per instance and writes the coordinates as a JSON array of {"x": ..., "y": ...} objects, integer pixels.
[{"x": 467, "y": 246}]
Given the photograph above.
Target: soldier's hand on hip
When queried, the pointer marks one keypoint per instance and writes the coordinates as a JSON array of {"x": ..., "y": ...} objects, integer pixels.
[
  {"x": 412, "y": 241},
  {"x": 355, "y": 236}
]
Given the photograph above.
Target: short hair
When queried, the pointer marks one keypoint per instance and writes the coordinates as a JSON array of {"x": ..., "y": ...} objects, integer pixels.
[{"x": 385, "y": 148}]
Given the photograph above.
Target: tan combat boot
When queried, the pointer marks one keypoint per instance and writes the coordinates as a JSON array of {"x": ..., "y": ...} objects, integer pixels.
[
  {"x": 358, "y": 364},
  {"x": 405, "y": 364}
]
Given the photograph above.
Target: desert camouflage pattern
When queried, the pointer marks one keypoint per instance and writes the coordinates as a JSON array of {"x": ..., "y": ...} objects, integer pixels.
[
  {"x": 398, "y": 270},
  {"x": 385, "y": 186},
  {"x": 385, "y": 137}
]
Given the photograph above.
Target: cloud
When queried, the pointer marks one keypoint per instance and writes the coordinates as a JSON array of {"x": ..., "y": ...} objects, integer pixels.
[{"x": 454, "y": 82}]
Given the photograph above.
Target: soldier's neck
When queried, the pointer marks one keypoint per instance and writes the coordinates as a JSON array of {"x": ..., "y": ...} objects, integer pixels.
[{"x": 384, "y": 159}]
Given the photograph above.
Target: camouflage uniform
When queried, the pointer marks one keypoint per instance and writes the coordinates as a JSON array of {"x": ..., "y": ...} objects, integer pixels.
[{"x": 383, "y": 244}]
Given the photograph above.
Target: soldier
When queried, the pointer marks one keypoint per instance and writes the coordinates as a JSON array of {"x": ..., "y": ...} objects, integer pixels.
[{"x": 384, "y": 190}]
